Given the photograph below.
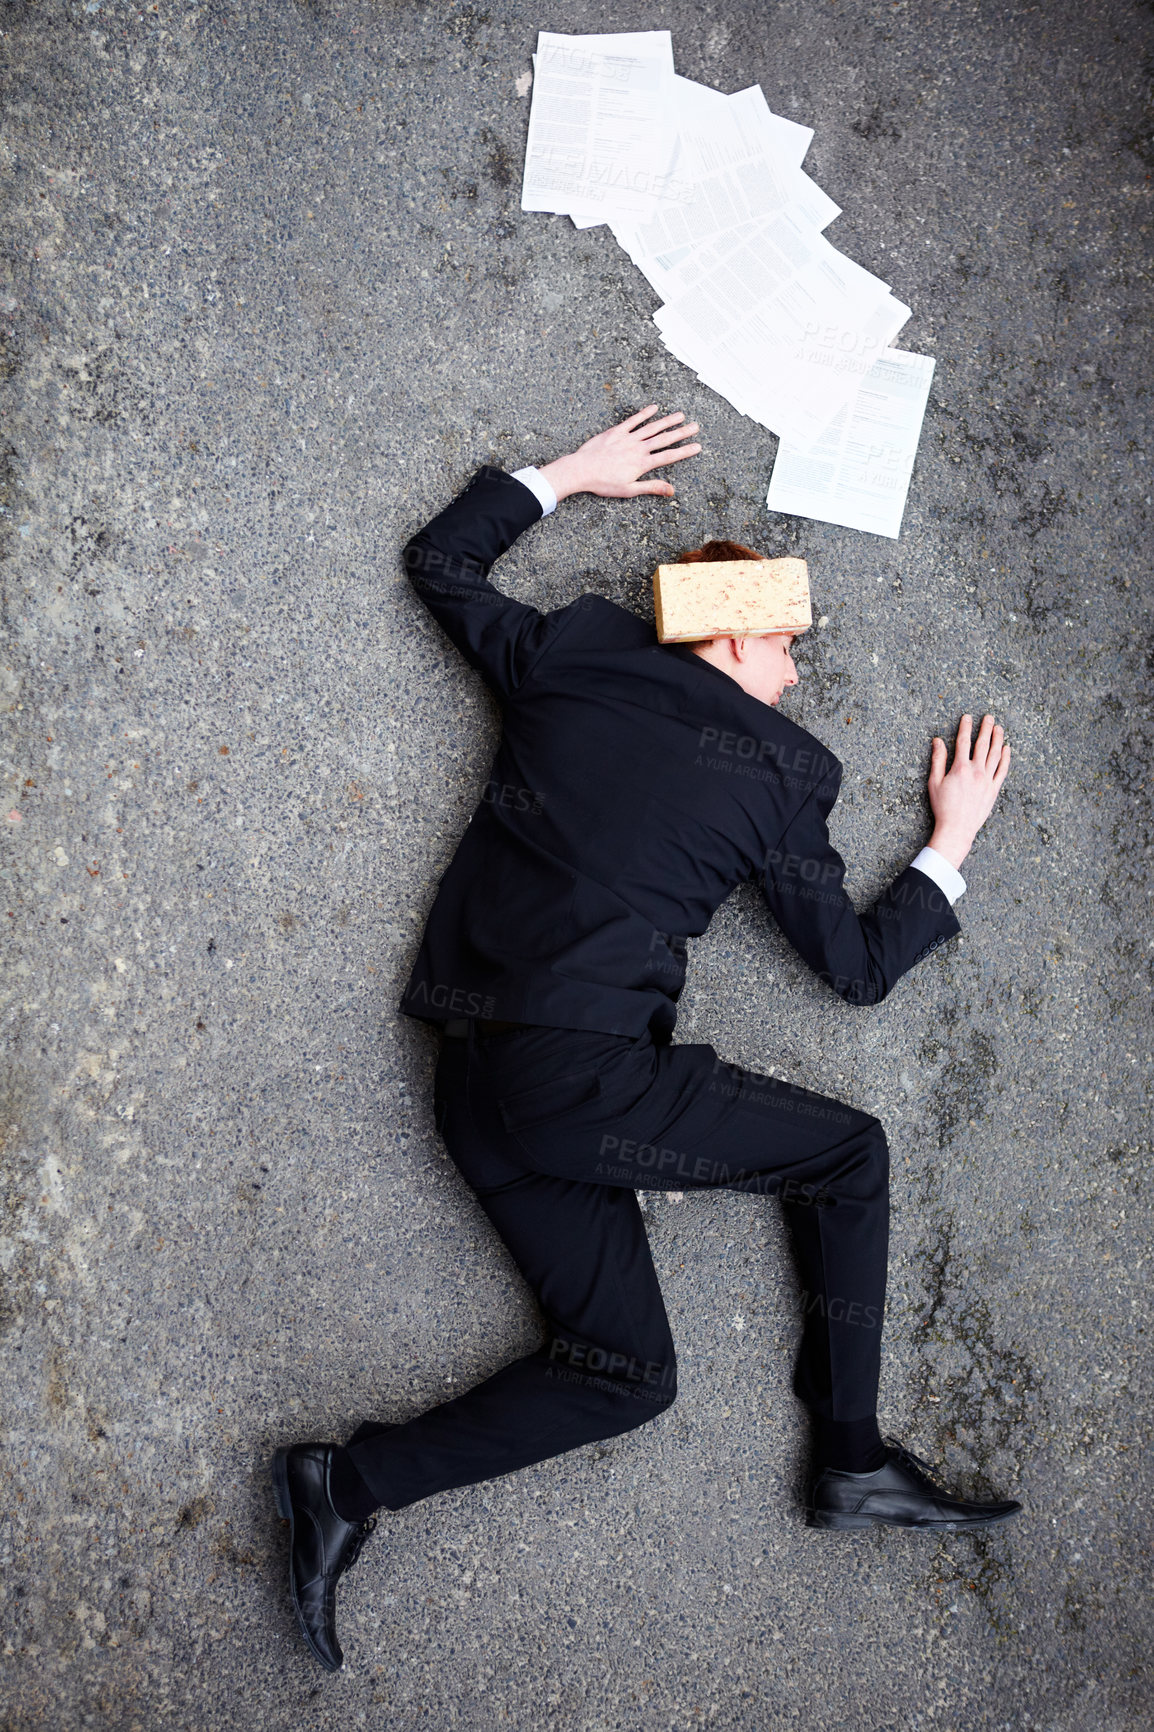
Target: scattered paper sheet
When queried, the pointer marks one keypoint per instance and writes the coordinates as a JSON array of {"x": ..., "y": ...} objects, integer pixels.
[
  {"x": 715, "y": 132},
  {"x": 780, "y": 321},
  {"x": 706, "y": 194},
  {"x": 600, "y": 125},
  {"x": 857, "y": 474},
  {"x": 789, "y": 140}
]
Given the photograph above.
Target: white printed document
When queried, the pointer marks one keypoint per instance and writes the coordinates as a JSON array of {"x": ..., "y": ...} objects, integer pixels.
[
  {"x": 857, "y": 474},
  {"x": 715, "y": 132},
  {"x": 794, "y": 394},
  {"x": 601, "y": 130},
  {"x": 779, "y": 322},
  {"x": 706, "y": 194}
]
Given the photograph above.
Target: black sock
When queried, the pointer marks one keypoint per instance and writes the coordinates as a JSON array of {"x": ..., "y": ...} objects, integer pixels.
[
  {"x": 352, "y": 1499},
  {"x": 849, "y": 1445}
]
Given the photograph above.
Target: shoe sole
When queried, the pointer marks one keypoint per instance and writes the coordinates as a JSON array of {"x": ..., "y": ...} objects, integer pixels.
[
  {"x": 841, "y": 1521},
  {"x": 284, "y": 1506}
]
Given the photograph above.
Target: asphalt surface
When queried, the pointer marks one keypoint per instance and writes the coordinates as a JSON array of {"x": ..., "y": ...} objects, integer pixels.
[{"x": 267, "y": 300}]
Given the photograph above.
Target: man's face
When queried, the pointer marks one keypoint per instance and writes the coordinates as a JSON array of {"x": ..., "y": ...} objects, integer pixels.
[
  {"x": 762, "y": 666},
  {"x": 770, "y": 665}
]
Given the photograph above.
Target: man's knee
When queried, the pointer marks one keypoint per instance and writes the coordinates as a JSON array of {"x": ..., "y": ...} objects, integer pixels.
[
  {"x": 858, "y": 1167},
  {"x": 644, "y": 1375},
  {"x": 649, "y": 1374},
  {"x": 862, "y": 1165},
  {"x": 656, "y": 1390},
  {"x": 658, "y": 1387}
]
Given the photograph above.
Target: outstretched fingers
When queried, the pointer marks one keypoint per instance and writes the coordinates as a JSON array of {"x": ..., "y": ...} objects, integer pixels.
[
  {"x": 982, "y": 743},
  {"x": 994, "y": 750},
  {"x": 612, "y": 462},
  {"x": 671, "y": 457},
  {"x": 671, "y": 435},
  {"x": 632, "y": 421},
  {"x": 667, "y": 428},
  {"x": 962, "y": 743}
]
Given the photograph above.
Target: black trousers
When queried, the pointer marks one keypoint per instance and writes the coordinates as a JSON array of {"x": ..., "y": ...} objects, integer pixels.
[{"x": 555, "y": 1129}]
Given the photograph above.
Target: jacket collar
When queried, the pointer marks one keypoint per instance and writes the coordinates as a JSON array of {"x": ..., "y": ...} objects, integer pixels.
[{"x": 683, "y": 651}]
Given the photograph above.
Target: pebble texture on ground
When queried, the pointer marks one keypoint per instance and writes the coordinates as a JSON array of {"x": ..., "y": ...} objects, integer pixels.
[{"x": 267, "y": 300}]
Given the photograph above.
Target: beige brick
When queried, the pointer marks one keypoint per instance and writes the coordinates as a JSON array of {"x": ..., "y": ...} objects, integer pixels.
[{"x": 731, "y": 598}]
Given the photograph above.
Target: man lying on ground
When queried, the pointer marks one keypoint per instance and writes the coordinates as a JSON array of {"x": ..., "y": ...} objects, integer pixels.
[{"x": 635, "y": 785}]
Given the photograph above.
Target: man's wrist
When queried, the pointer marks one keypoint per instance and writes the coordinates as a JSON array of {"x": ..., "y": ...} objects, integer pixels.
[
  {"x": 564, "y": 475},
  {"x": 952, "y": 845},
  {"x": 936, "y": 867}
]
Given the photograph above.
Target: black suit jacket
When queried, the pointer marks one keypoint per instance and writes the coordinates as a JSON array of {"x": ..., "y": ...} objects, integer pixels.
[{"x": 634, "y": 786}]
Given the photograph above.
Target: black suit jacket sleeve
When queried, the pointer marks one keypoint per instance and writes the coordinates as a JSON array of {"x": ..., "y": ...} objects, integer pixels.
[
  {"x": 862, "y": 957},
  {"x": 448, "y": 563}
]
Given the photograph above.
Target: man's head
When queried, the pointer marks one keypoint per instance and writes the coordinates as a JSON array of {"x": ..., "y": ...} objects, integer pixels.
[{"x": 762, "y": 666}]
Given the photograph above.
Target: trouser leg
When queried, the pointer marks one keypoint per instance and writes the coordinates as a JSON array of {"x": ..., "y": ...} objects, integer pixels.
[
  {"x": 554, "y": 1129},
  {"x": 607, "y": 1363},
  {"x": 840, "y": 1243},
  {"x": 678, "y": 1118}
]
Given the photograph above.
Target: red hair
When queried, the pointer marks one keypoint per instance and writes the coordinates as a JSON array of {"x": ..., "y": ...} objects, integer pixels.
[{"x": 718, "y": 550}]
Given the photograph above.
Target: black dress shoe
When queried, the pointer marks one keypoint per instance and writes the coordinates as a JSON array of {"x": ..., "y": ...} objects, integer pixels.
[
  {"x": 322, "y": 1547},
  {"x": 902, "y": 1493}
]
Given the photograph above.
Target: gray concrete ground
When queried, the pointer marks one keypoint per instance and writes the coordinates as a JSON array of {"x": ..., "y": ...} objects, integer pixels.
[{"x": 268, "y": 299}]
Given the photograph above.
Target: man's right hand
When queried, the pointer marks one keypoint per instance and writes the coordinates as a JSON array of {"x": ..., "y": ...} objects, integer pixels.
[
  {"x": 612, "y": 463},
  {"x": 963, "y": 797}
]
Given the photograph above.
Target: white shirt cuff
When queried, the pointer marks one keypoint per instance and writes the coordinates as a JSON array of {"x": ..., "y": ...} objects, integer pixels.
[
  {"x": 539, "y": 487},
  {"x": 947, "y": 878}
]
